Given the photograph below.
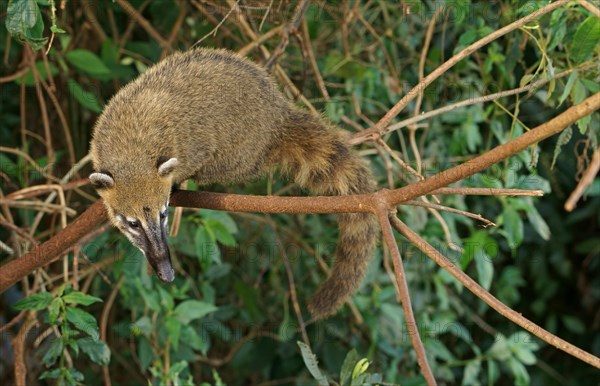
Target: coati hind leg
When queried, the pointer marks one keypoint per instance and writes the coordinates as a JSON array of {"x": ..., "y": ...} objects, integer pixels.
[{"x": 318, "y": 159}]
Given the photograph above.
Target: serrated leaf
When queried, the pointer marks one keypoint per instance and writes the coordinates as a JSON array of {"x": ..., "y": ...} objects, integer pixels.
[
  {"x": 87, "y": 61},
  {"x": 347, "y": 366},
  {"x": 80, "y": 298},
  {"x": 37, "y": 301},
  {"x": 563, "y": 139},
  {"x": 83, "y": 321},
  {"x": 97, "y": 350},
  {"x": 311, "y": 363},
  {"x": 191, "y": 310},
  {"x": 586, "y": 39}
]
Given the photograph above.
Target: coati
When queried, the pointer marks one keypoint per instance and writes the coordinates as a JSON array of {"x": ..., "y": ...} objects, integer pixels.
[{"x": 214, "y": 117}]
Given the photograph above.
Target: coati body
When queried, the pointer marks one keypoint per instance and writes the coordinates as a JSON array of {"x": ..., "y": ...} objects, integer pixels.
[{"x": 214, "y": 117}]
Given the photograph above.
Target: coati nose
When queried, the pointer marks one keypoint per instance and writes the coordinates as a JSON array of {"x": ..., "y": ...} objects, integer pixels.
[{"x": 167, "y": 274}]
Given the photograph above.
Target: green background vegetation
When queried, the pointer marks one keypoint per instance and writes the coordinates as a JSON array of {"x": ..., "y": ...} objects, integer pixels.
[{"x": 229, "y": 317}]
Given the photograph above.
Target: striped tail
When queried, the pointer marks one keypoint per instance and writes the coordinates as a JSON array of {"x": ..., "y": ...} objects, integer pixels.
[{"x": 315, "y": 156}]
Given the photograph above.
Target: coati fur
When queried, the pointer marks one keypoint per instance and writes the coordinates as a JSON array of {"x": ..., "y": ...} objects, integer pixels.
[{"x": 214, "y": 117}]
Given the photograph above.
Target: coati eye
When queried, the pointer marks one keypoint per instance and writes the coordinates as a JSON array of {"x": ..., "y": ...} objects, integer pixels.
[
  {"x": 133, "y": 224},
  {"x": 163, "y": 215}
]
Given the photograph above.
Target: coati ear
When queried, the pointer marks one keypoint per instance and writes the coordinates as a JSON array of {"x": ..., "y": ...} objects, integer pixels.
[
  {"x": 102, "y": 180},
  {"x": 166, "y": 166}
]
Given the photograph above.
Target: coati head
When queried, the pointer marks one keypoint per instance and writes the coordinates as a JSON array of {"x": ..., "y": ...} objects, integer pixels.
[{"x": 138, "y": 208}]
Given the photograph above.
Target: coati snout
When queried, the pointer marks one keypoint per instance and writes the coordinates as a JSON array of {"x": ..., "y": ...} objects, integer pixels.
[{"x": 143, "y": 218}]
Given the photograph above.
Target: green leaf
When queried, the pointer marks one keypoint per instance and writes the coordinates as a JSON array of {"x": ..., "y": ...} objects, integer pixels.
[
  {"x": 471, "y": 373},
  {"x": 166, "y": 300},
  {"x": 563, "y": 139},
  {"x": 50, "y": 374},
  {"x": 24, "y": 22},
  {"x": 222, "y": 217},
  {"x": 220, "y": 232},
  {"x": 97, "y": 350},
  {"x": 143, "y": 326},
  {"x": 54, "y": 309},
  {"x": 311, "y": 363},
  {"x": 177, "y": 368},
  {"x": 207, "y": 249},
  {"x": 80, "y": 298},
  {"x": 87, "y": 61},
  {"x": 573, "y": 324},
  {"x": 57, "y": 30},
  {"x": 54, "y": 351},
  {"x": 500, "y": 349},
  {"x": 586, "y": 39},
  {"x": 150, "y": 298},
  {"x": 173, "y": 327},
  {"x": 37, "y": 301},
  {"x": 347, "y": 367},
  {"x": 83, "y": 321},
  {"x": 513, "y": 224},
  {"x": 538, "y": 223},
  {"x": 524, "y": 354},
  {"x": 568, "y": 87},
  {"x": 75, "y": 374},
  {"x": 85, "y": 98},
  {"x": 484, "y": 266},
  {"x": 190, "y": 310},
  {"x": 193, "y": 339}
]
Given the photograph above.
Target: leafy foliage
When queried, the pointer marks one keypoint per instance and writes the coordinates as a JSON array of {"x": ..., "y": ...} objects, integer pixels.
[{"x": 230, "y": 317}]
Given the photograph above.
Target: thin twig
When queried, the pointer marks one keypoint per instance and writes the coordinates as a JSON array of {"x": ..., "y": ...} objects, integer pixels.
[
  {"x": 586, "y": 180},
  {"x": 451, "y": 210},
  {"x": 143, "y": 22}
]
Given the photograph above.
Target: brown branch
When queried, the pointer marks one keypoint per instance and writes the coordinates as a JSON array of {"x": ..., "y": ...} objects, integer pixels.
[
  {"x": 487, "y": 297},
  {"x": 47, "y": 252},
  {"x": 145, "y": 24},
  {"x": 290, "y": 28},
  {"x": 374, "y": 132},
  {"x": 586, "y": 180},
  {"x": 411, "y": 324}
]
